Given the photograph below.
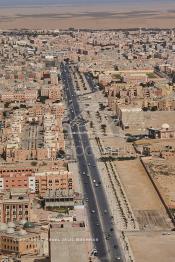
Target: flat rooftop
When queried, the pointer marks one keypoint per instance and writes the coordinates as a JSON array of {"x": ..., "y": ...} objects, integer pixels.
[{"x": 71, "y": 244}]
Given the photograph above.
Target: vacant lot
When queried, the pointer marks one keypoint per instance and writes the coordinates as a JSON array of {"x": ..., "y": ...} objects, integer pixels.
[
  {"x": 152, "y": 246},
  {"x": 163, "y": 174},
  {"x": 147, "y": 207},
  {"x": 138, "y": 186}
]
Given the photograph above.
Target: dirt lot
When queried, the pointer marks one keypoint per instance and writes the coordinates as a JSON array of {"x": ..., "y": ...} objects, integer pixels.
[
  {"x": 163, "y": 174},
  {"x": 138, "y": 187},
  {"x": 152, "y": 246},
  {"x": 146, "y": 205}
]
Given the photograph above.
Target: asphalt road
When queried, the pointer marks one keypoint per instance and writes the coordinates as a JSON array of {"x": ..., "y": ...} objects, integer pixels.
[
  {"x": 100, "y": 219},
  {"x": 91, "y": 83}
]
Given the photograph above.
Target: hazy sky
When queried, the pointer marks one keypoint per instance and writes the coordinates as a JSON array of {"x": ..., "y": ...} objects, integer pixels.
[{"x": 28, "y": 2}]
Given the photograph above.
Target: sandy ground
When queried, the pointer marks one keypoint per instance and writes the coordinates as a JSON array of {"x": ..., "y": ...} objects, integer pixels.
[
  {"x": 138, "y": 187},
  {"x": 163, "y": 174},
  {"x": 140, "y": 192},
  {"x": 152, "y": 246},
  {"x": 142, "y": 196},
  {"x": 146, "y": 205},
  {"x": 92, "y": 16}
]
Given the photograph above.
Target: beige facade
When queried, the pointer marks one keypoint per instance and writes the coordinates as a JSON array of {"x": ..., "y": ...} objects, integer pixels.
[
  {"x": 19, "y": 242},
  {"x": 19, "y": 96},
  {"x": 15, "y": 206}
]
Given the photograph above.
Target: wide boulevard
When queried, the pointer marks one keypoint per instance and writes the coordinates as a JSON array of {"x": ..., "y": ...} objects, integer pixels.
[{"x": 99, "y": 216}]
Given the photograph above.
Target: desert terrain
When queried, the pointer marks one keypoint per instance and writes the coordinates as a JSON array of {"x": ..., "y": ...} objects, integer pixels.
[{"x": 96, "y": 16}]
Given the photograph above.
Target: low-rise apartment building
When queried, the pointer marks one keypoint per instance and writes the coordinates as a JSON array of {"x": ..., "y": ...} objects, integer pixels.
[
  {"x": 19, "y": 241},
  {"x": 55, "y": 180},
  {"x": 15, "y": 205},
  {"x": 36, "y": 181}
]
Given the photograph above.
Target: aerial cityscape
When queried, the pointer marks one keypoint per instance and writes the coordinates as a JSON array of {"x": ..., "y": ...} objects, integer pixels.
[{"x": 87, "y": 131}]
